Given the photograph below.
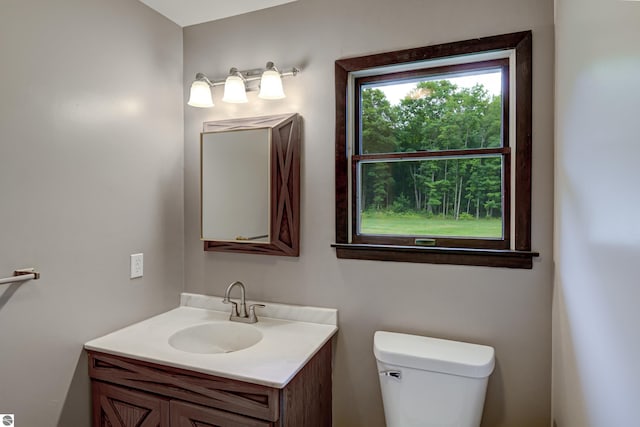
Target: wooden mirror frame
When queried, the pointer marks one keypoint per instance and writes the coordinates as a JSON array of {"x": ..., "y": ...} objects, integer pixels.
[{"x": 284, "y": 206}]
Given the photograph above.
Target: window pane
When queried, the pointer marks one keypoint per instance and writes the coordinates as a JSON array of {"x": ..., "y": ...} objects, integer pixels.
[
  {"x": 445, "y": 112},
  {"x": 452, "y": 197}
]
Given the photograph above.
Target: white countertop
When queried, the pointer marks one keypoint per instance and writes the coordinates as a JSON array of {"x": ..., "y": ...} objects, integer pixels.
[{"x": 291, "y": 336}]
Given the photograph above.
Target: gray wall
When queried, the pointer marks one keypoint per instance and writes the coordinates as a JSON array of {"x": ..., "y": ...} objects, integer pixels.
[
  {"x": 508, "y": 309},
  {"x": 90, "y": 171},
  {"x": 596, "y": 345}
]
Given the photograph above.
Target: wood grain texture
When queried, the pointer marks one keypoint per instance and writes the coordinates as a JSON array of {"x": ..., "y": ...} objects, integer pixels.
[
  {"x": 524, "y": 121},
  {"x": 188, "y": 415},
  {"x": 306, "y": 400},
  {"x": 342, "y": 154},
  {"x": 187, "y": 398},
  {"x": 249, "y": 399},
  {"x": 246, "y": 123},
  {"x": 431, "y": 255},
  {"x": 285, "y": 185},
  {"x": 119, "y": 407},
  {"x": 432, "y": 52}
]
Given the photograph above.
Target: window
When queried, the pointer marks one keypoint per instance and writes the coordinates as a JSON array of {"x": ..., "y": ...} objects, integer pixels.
[{"x": 433, "y": 154}]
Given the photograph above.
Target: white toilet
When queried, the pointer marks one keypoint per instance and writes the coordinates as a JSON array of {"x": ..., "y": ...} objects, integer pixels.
[{"x": 429, "y": 382}]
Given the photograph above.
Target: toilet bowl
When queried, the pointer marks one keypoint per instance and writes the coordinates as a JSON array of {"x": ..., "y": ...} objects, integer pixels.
[{"x": 429, "y": 382}]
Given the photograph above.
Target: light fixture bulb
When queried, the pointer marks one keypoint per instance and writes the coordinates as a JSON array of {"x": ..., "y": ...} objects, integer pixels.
[
  {"x": 271, "y": 85},
  {"x": 234, "y": 90},
  {"x": 200, "y": 95}
]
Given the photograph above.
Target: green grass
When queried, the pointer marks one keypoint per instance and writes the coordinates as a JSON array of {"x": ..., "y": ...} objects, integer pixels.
[{"x": 414, "y": 224}]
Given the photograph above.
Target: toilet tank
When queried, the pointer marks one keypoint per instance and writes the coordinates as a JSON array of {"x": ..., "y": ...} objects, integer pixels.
[{"x": 431, "y": 382}]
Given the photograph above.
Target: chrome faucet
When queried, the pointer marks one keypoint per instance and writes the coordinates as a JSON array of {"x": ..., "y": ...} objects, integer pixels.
[{"x": 240, "y": 315}]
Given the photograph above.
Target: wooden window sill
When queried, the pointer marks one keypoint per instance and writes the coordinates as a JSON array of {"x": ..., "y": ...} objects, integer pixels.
[{"x": 435, "y": 255}]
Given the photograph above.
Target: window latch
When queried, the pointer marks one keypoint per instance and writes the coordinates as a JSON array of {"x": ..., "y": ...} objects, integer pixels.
[{"x": 425, "y": 242}]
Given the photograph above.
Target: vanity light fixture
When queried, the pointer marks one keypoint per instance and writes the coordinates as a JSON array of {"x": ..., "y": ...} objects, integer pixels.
[
  {"x": 238, "y": 83},
  {"x": 235, "y": 91},
  {"x": 200, "y": 95},
  {"x": 271, "y": 83}
]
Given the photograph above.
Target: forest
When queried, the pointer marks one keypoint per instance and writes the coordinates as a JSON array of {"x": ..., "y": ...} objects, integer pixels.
[{"x": 454, "y": 190}]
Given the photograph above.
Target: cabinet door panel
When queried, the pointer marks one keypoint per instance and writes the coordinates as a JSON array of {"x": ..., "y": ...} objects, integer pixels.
[
  {"x": 253, "y": 400},
  {"x": 120, "y": 407},
  {"x": 188, "y": 415}
]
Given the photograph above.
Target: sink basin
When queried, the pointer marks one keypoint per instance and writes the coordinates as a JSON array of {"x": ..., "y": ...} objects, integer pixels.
[{"x": 215, "y": 337}]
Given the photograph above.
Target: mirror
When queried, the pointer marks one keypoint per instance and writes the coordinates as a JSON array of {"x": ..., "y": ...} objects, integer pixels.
[
  {"x": 250, "y": 185},
  {"x": 236, "y": 196}
]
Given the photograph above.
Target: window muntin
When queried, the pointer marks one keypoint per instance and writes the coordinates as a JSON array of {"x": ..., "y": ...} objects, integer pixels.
[{"x": 428, "y": 145}]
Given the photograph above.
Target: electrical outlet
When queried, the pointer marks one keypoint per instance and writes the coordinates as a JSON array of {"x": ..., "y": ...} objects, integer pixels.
[{"x": 137, "y": 264}]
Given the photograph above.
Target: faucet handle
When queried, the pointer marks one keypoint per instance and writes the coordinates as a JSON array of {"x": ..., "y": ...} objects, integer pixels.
[
  {"x": 252, "y": 312},
  {"x": 234, "y": 309}
]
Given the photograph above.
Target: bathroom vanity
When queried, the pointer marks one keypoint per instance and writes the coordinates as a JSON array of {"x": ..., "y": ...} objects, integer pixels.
[{"x": 139, "y": 378}]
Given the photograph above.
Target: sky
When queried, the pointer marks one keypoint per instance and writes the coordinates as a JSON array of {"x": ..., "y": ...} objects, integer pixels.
[{"x": 491, "y": 81}]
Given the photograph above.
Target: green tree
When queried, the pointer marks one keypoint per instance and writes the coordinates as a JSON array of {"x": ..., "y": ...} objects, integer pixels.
[
  {"x": 437, "y": 115},
  {"x": 377, "y": 136},
  {"x": 378, "y": 121}
]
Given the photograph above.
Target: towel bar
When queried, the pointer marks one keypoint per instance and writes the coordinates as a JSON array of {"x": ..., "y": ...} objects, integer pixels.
[{"x": 21, "y": 275}]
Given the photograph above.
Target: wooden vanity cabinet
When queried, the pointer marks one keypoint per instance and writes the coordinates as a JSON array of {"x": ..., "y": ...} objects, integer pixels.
[
  {"x": 128, "y": 393},
  {"x": 189, "y": 415},
  {"x": 119, "y": 406}
]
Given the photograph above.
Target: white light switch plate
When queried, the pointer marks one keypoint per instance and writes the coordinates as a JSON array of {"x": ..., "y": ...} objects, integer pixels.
[{"x": 137, "y": 264}]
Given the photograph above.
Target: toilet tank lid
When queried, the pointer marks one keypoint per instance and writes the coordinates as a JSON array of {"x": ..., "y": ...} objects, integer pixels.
[{"x": 434, "y": 354}]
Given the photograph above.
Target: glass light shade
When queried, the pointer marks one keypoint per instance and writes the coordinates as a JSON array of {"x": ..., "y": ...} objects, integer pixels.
[
  {"x": 200, "y": 95},
  {"x": 271, "y": 85},
  {"x": 234, "y": 90}
]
